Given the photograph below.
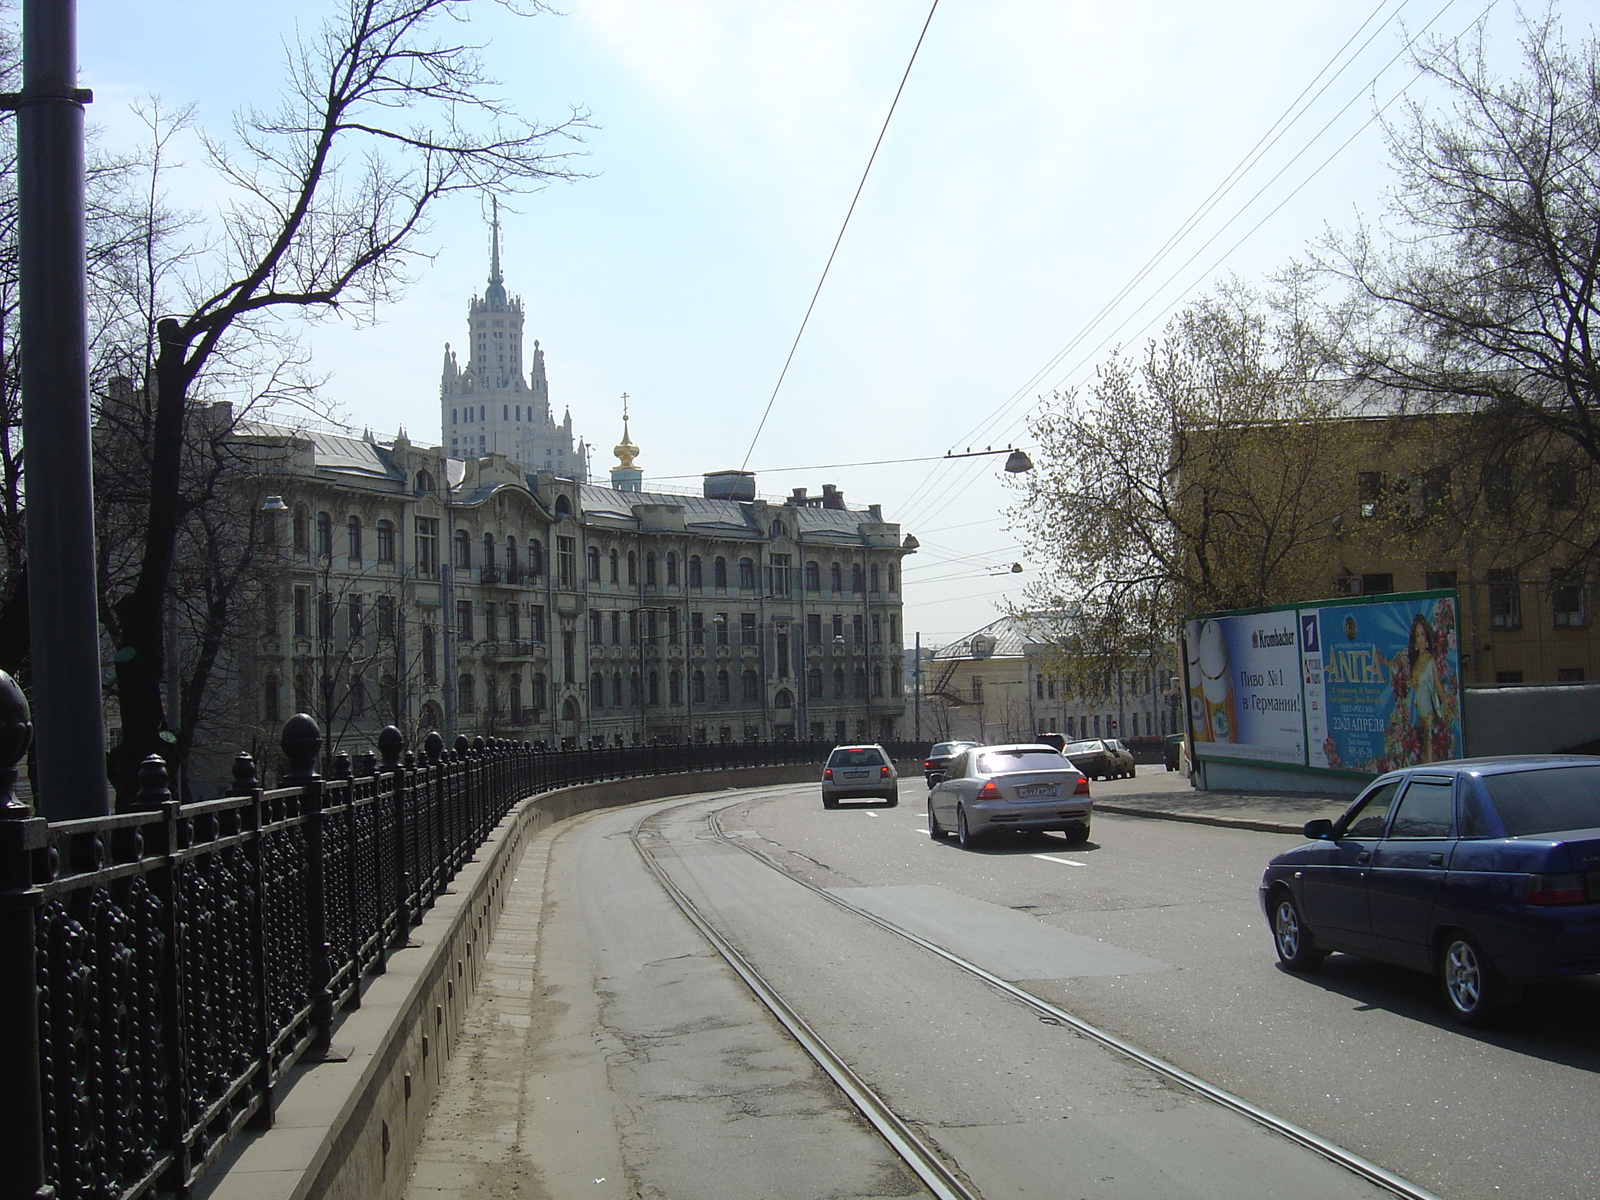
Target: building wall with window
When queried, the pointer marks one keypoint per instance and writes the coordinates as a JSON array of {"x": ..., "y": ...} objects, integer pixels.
[{"x": 466, "y": 596}]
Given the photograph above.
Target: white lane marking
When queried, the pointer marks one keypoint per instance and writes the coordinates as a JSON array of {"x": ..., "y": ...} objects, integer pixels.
[
  {"x": 871, "y": 814},
  {"x": 1071, "y": 862}
]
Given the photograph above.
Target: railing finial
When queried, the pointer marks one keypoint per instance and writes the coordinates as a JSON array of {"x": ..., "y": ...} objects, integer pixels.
[
  {"x": 244, "y": 774},
  {"x": 391, "y": 745},
  {"x": 302, "y": 742}
]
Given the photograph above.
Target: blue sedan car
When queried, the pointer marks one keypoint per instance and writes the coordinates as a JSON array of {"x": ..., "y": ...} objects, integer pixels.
[{"x": 1485, "y": 872}]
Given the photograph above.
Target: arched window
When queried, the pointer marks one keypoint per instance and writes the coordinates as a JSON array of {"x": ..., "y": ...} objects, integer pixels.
[
  {"x": 614, "y": 576},
  {"x": 877, "y": 680},
  {"x": 835, "y": 578},
  {"x": 655, "y": 688},
  {"x": 777, "y": 529},
  {"x": 838, "y": 683},
  {"x": 813, "y": 577},
  {"x": 650, "y": 568},
  {"x": 386, "y": 541},
  {"x": 722, "y": 686},
  {"x": 424, "y": 483},
  {"x": 672, "y": 569},
  {"x": 633, "y": 568},
  {"x": 855, "y": 578},
  {"x": 488, "y": 551},
  {"x": 536, "y": 695},
  {"x": 570, "y": 710},
  {"x": 563, "y": 507},
  {"x": 814, "y": 684},
  {"x": 597, "y": 691},
  {"x": 719, "y": 572},
  {"x": 784, "y": 699},
  {"x": 873, "y": 577},
  {"x": 324, "y": 535},
  {"x": 633, "y": 689},
  {"x": 463, "y": 550},
  {"x": 269, "y": 699},
  {"x": 300, "y": 532},
  {"x": 352, "y": 536},
  {"x": 697, "y": 687},
  {"x": 747, "y": 574},
  {"x": 466, "y": 695},
  {"x": 695, "y": 578},
  {"x": 616, "y": 690},
  {"x": 861, "y": 682},
  {"x": 752, "y": 685},
  {"x": 514, "y": 574},
  {"x": 432, "y": 718},
  {"x": 674, "y": 688},
  {"x": 594, "y": 564},
  {"x": 894, "y": 578},
  {"x": 536, "y": 557}
]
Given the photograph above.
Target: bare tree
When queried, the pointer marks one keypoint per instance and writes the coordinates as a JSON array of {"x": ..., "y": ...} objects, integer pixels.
[
  {"x": 382, "y": 118},
  {"x": 1195, "y": 478}
]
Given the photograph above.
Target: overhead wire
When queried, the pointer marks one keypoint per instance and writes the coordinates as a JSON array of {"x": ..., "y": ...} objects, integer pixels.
[{"x": 827, "y": 266}]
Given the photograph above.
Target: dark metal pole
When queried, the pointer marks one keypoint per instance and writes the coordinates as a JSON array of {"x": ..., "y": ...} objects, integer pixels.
[{"x": 65, "y": 633}]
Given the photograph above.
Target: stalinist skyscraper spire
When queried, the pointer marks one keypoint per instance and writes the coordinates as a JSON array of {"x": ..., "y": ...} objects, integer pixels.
[{"x": 490, "y": 405}]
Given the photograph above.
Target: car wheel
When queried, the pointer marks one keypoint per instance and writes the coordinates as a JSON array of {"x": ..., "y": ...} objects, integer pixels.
[
  {"x": 964, "y": 835},
  {"x": 1475, "y": 991},
  {"x": 892, "y": 800},
  {"x": 1297, "y": 949},
  {"x": 1078, "y": 834},
  {"x": 935, "y": 830},
  {"x": 829, "y": 802}
]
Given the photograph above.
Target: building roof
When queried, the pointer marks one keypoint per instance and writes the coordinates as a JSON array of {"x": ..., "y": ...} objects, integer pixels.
[
  {"x": 1005, "y": 639},
  {"x": 725, "y": 516}
]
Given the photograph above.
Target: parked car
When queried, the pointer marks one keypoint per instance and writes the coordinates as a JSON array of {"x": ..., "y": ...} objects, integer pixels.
[
  {"x": 1485, "y": 872},
  {"x": 1025, "y": 786},
  {"x": 1172, "y": 751},
  {"x": 860, "y": 771},
  {"x": 938, "y": 755},
  {"x": 1101, "y": 758}
]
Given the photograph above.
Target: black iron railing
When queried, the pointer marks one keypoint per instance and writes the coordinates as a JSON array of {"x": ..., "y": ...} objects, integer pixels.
[{"x": 187, "y": 955}]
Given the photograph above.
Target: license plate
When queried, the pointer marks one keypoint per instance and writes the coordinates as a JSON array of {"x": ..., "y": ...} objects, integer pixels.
[
  {"x": 856, "y": 774},
  {"x": 1037, "y": 790}
]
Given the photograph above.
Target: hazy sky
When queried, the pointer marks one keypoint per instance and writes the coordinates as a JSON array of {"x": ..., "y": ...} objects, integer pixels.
[{"x": 1042, "y": 153}]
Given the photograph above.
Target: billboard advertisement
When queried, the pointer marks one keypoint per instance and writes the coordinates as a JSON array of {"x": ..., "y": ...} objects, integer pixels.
[{"x": 1358, "y": 686}]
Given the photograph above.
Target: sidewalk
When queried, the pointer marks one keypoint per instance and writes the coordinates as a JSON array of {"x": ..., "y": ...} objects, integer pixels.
[{"x": 1166, "y": 795}]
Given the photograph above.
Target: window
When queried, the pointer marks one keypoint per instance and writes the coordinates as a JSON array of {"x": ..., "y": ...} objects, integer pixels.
[
  {"x": 424, "y": 483},
  {"x": 695, "y": 578},
  {"x": 597, "y": 690},
  {"x": 813, "y": 577},
  {"x": 597, "y": 628},
  {"x": 466, "y": 695},
  {"x": 1377, "y": 585},
  {"x": 719, "y": 573},
  {"x": 835, "y": 578},
  {"x": 593, "y": 555},
  {"x": 655, "y": 688},
  {"x": 513, "y": 566},
  {"x": 672, "y": 569},
  {"x": 873, "y": 578},
  {"x": 813, "y": 629},
  {"x": 430, "y": 670},
  {"x": 894, "y": 630},
  {"x": 1369, "y": 493},
  {"x": 386, "y": 541},
  {"x": 1569, "y": 674},
  {"x": 1566, "y": 601},
  {"x": 1561, "y": 486},
  {"x": 894, "y": 578},
  {"x": 633, "y": 629},
  {"x": 491, "y": 623},
  {"x": 877, "y": 630},
  {"x": 895, "y": 669},
  {"x": 672, "y": 627},
  {"x": 747, "y": 574},
  {"x": 877, "y": 680},
  {"x": 536, "y": 693},
  {"x": 633, "y": 569},
  {"x": 650, "y": 569},
  {"x": 722, "y": 686},
  {"x": 427, "y": 546},
  {"x": 616, "y": 690},
  {"x": 1505, "y": 599},
  {"x": 325, "y": 616},
  {"x": 1508, "y": 676},
  {"x": 269, "y": 699},
  {"x": 569, "y": 656},
  {"x": 747, "y": 629},
  {"x": 386, "y": 616},
  {"x": 324, "y": 535},
  {"x": 697, "y": 687},
  {"x": 633, "y": 689},
  {"x": 857, "y": 629},
  {"x": 838, "y": 627},
  {"x": 300, "y": 529},
  {"x": 814, "y": 683},
  {"x": 838, "y": 683},
  {"x": 778, "y": 575},
  {"x": 536, "y": 622},
  {"x": 861, "y": 683},
  {"x": 781, "y": 654},
  {"x": 614, "y": 576},
  {"x": 977, "y": 691},
  {"x": 514, "y": 621},
  {"x": 536, "y": 557},
  {"x": 776, "y": 529},
  {"x": 720, "y": 620},
  {"x": 751, "y": 686},
  {"x": 855, "y": 578},
  {"x": 1433, "y": 489},
  {"x": 463, "y": 550},
  {"x": 1439, "y": 580},
  {"x": 697, "y": 629},
  {"x": 352, "y": 529},
  {"x": 566, "y": 561}
]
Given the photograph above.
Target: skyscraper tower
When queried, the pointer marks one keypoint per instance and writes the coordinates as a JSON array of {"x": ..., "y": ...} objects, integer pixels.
[{"x": 490, "y": 406}]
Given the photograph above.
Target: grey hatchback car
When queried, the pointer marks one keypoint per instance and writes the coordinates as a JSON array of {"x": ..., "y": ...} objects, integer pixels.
[
  {"x": 1019, "y": 787},
  {"x": 860, "y": 771}
]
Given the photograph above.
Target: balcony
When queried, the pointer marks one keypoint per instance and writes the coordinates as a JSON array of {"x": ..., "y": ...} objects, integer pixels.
[
  {"x": 491, "y": 575},
  {"x": 510, "y": 651}
]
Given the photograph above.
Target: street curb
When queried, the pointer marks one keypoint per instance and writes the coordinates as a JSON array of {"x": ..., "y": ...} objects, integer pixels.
[{"x": 1199, "y": 818}]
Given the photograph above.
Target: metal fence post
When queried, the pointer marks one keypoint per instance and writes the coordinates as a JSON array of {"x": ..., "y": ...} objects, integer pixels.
[
  {"x": 245, "y": 783},
  {"x": 302, "y": 742}
]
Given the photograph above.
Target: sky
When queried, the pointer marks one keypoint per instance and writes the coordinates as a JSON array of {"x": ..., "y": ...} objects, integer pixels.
[{"x": 1042, "y": 154}]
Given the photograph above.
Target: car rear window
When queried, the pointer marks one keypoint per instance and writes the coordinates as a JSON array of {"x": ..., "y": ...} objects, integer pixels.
[
  {"x": 864, "y": 757},
  {"x": 1545, "y": 801},
  {"x": 945, "y": 748},
  {"x": 1084, "y": 748},
  {"x": 1001, "y": 762}
]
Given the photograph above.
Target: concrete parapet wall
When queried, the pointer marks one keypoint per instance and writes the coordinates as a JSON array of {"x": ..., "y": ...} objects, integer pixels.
[
  {"x": 348, "y": 1130},
  {"x": 1530, "y": 720}
]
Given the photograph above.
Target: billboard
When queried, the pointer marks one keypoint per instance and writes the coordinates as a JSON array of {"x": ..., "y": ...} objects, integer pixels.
[{"x": 1359, "y": 686}]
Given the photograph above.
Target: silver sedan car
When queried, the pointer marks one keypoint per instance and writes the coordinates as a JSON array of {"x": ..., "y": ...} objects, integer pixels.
[
  {"x": 1017, "y": 787},
  {"x": 860, "y": 771}
]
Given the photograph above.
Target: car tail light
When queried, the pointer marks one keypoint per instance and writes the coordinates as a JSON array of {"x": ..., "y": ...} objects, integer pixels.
[
  {"x": 1083, "y": 786},
  {"x": 989, "y": 791},
  {"x": 1558, "y": 889},
  {"x": 827, "y": 772},
  {"x": 883, "y": 772}
]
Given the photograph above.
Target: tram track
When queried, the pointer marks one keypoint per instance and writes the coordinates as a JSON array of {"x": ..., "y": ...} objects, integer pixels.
[{"x": 921, "y": 1156}]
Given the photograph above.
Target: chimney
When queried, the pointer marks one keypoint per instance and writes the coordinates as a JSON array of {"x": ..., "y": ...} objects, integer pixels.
[
  {"x": 832, "y": 497},
  {"x": 799, "y": 498}
]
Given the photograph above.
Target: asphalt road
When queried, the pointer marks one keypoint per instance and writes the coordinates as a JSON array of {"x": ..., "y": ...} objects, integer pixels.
[{"x": 633, "y": 1064}]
